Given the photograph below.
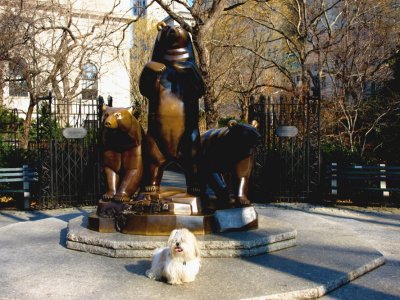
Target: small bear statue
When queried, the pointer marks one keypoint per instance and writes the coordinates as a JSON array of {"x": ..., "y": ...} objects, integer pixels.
[
  {"x": 122, "y": 158},
  {"x": 228, "y": 153}
]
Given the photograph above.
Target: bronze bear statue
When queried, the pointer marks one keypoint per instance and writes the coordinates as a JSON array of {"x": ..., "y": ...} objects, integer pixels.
[
  {"x": 122, "y": 157},
  {"x": 173, "y": 85},
  {"x": 228, "y": 152}
]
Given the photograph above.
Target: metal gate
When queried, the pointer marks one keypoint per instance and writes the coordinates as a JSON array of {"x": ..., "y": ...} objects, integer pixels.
[
  {"x": 287, "y": 164},
  {"x": 68, "y": 160}
]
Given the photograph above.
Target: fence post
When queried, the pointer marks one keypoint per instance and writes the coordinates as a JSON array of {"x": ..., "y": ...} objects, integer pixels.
[
  {"x": 262, "y": 117},
  {"x": 110, "y": 101},
  {"x": 334, "y": 183},
  {"x": 25, "y": 187},
  {"x": 383, "y": 180},
  {"x": 100, "y": 102}
]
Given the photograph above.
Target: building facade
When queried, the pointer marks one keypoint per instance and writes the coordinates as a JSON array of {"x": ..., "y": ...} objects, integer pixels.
[{"x": 79, "y": 52}]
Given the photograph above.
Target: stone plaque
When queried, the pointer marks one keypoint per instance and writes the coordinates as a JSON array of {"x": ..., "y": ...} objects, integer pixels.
[
  {"x": 74, "y": 133},
  {"x": 179, "y": 208},
  {"x": 235, "y": 219},
  {"x": 194, "y": 201},
  {"x": 286, "y": 131}
]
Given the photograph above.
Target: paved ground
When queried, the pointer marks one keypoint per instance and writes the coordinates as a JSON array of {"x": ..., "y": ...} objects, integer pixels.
[{"x": 381, "y": 229}]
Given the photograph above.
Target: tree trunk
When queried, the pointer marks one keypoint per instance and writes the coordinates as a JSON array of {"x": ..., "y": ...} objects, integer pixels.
[
  {"x": 27, "y": 125},
  {"x": 209, "y": 107},
  {"x": 1, "y": 83},
  {"x": 244, "y": 108},
  {"x": 204, "y": 66}
]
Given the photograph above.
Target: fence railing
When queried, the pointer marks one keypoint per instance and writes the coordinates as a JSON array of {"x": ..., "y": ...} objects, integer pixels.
[
  {"x": 287, "y": 164},
  {"x": 69, "y": 168}
]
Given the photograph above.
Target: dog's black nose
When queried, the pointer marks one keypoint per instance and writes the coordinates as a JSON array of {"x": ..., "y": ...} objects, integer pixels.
[{"x": 177, "y": 244}]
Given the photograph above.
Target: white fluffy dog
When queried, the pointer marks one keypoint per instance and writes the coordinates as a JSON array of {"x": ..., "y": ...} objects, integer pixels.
[{"x": 179, "y": 262}]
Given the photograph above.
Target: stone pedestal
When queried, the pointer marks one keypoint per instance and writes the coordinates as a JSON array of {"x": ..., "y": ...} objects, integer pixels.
[{"x": 271, "y": 235}]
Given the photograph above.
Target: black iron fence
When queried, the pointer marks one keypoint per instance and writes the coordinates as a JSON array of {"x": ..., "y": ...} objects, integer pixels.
[
  {"x": 68, "y": 153},
  {"x": 287, "y": 164},
  {"x": 64, "y": 148}
]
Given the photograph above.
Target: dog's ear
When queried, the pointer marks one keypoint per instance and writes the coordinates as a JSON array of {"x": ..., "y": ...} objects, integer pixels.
[
  {"x": 195, "y": 243},
  {"x": 171, "y": 236}
]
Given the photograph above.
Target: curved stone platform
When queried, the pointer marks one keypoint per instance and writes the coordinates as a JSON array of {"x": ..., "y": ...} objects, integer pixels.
[{"x": 271, "y": 235}]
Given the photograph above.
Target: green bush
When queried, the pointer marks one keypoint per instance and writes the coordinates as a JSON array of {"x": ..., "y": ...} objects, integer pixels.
[
  {"x": 48, "y": 128},
  {"x": 11, "y": 157},
  {"x": 333, "y": 151}
]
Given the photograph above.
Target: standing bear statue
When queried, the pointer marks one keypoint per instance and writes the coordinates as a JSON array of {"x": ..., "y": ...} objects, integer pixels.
[{"x": 173, "y": 85}]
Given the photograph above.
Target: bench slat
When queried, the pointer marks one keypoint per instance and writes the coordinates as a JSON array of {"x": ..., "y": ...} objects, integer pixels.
[
  {"x": 10, "y": 169},
  {"x": 12, "y": 191},
  {"x": 383, "y": 189},
  {"x": 367, "y": 172},
  {"x": 18, "y": 174},
  {"x": 368, "y": 168},
  {"x": 379, "y": 178},
  {"x": 17, "y": 170},
  {"x": 30, "y": 179}
]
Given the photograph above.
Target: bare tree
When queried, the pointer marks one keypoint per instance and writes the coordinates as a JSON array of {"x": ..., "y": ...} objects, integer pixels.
[
  {"x": 348, "y": 42},
  {"x": 358, "y": 66},
  {"x": 144, "y": 31},
  {"x": 249, "y": 77},
  {"x": 12, "y": 35},
  {"x": 54, "y": 48},
  {"x": 296, "y": 33}
]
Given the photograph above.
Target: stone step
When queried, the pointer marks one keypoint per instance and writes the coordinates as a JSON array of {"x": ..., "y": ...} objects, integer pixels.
[{"x": 271, "y": 235}]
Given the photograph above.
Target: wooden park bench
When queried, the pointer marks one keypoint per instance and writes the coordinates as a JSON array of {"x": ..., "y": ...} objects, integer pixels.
[
  {"x": 364, "y": 182},
  {"x": 9, "y": 176}
]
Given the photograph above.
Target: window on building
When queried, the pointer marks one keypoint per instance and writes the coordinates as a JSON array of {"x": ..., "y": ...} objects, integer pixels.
[
  {"x": 89, "y": 81},
  {"x": 17, "y": 84},
  {"x": 139, "y": 7}
]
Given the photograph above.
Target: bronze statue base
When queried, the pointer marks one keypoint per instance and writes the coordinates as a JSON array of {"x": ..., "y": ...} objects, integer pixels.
[
  {"x": 100, "y": 224},
  {"x": 158, "y": 213},
  {"x": 154, "y": 224}
]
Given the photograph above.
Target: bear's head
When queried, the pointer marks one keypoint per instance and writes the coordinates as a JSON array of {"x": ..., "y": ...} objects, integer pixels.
[
  {"x": 117, "y": 118},
  {"x": 121, "y": 129},
  {"x": 173, "y": 44},
  {"x": 245, "y": 136}
]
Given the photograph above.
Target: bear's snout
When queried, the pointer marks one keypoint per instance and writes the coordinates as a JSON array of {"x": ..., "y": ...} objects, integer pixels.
[{"x": 111, "y": 122}]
